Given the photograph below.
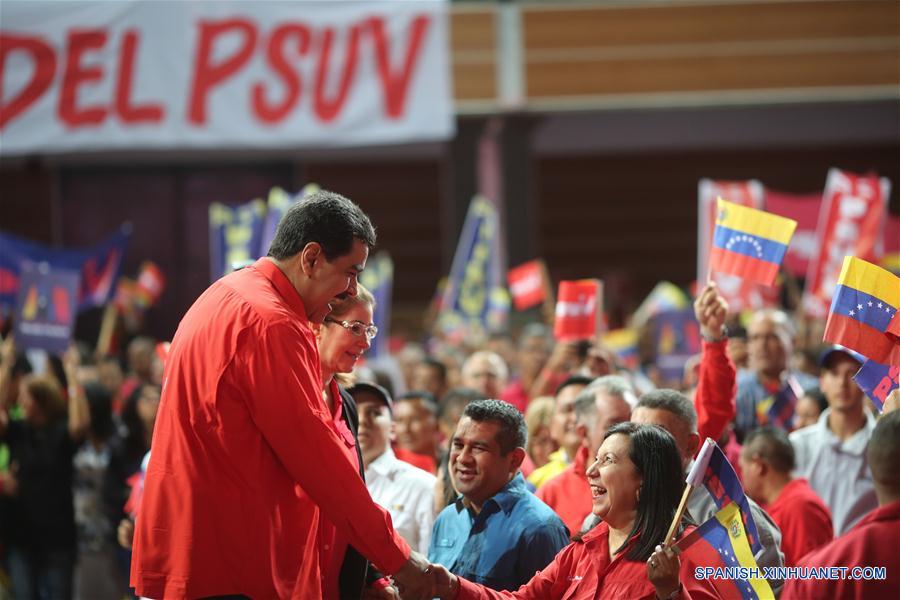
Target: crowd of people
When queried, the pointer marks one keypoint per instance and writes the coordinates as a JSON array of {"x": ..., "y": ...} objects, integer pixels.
[{"x": 284, "y": 464}]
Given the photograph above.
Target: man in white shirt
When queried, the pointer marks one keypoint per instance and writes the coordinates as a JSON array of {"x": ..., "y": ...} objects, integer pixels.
[
  {"x": 407, "y": 492},
  {"x": 831, "y": 454}
]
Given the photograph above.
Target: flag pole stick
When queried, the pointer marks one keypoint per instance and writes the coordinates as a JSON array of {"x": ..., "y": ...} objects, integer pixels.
[
  {"x": 678, "y": 514},
  {"x": 106, "y": 329}
]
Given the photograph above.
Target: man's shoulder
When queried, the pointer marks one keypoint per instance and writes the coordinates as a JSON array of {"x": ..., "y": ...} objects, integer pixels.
[{"x": 534, "y": 512}]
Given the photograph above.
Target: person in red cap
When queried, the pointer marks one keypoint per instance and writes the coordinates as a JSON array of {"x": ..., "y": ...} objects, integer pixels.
[{"x": 247, "y": 464}]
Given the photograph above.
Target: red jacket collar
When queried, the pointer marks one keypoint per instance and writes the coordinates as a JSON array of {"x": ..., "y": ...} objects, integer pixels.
[{"x": 282, "y": 284}]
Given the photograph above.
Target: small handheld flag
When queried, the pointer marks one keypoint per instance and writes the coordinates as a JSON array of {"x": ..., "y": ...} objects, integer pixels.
[
  {"x": 778, "y": 409},
  {"x": 726, "y": 535},
  {"x": 694, "y": 479},
  {"x": 863, "y": 311},
  {"x": 877, "y": 381},
  {"x": 749, "y": 243},
  {"x": 578, "y": 310}
]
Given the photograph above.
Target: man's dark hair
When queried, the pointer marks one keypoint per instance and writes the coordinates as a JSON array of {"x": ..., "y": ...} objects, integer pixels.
[
  {"x": 656, "y": 458},
  {"x": 573, "y": 380},
  {"x": 513, "y": 431},
  {"x": 819, "y": 396},
  {"x": 426, "y": 398},
  {"x": 773, "y": 446},
  {"x": 324, "y": 217},
  {"x": 673, "y": 401},
  {"x": 883, "y": 452},
  {"x": 438, "y": 366}
]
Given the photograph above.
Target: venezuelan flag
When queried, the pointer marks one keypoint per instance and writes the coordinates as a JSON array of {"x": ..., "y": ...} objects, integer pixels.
[
  {"x": 725, "y": 534},
  {"x": 865, "y": 302},
  {"x": 749, "y": 243}
]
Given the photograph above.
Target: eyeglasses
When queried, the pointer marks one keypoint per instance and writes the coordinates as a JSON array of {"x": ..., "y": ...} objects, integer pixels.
[{"x": 357, "y": 328}]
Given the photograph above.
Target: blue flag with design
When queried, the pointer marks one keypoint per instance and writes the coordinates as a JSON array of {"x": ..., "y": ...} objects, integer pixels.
[
  {"x": 235, "y": 233},
  {"x": 778, "y": 409},
  {"x": 98, "y": 266},
  {"x": 378, "y": 278},
  {"x": 475, "y": 301},
  {"x": 712, "y": 469},
  {"x": 737, "y": 575},
  {"x": 877, "y": 381},
  {"x": 45, "y": 312},
  {"x": 676, "y": 337}
]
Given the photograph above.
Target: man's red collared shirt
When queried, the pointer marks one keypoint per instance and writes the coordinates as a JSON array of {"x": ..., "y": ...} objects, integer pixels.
[{"x": 246, "y": 457}]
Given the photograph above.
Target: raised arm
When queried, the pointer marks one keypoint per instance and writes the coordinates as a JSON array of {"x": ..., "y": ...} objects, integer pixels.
[
  {"x": 717, "y": 386},
  {"x": 79, "y": 413}
]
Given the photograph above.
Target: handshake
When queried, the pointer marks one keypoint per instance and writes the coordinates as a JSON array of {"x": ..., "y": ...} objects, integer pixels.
[{"x": 419, "y": 580}]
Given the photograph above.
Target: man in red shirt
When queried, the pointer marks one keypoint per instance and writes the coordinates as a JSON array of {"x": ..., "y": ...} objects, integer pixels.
[
  {"x": 248, "y": 473},
  {"x": 870, "y": 543},
  {"x": 767, "y": 460}
]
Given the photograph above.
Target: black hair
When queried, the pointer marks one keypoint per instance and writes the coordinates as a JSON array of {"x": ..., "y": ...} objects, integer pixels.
[
  {"x": 883, "y": 452},
  {"x": 819, "y": 396},
  {"x": 656, "y": 458},
  {"x": 513, "y": 432},
  {"x": 100, "y": 407},
  {"x": 324, "y": 217},
  {"x": 440, "y": 367},
  {"x": 135, "y": 436},
  {"x": 773, "y": 446},
  {"x": 573, "y": 380},
  {"x": 426, "y": 398},
  {"x": 673, "y": 401}
]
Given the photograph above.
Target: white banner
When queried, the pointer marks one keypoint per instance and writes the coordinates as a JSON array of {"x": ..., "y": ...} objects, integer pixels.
[{"x": 173, "y": 74}]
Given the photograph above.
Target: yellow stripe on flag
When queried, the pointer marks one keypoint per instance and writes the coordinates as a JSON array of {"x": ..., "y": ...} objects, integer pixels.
[
  {"x": 871, "y": 279},
  {"x": 755, "y": 222},
  {"x": 730, "y": 518}
]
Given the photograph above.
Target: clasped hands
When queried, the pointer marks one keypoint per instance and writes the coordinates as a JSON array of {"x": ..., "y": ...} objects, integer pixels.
[{"x": 420, "y": 580}]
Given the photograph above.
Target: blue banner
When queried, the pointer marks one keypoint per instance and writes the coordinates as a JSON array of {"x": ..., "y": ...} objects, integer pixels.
[
  {"x": 676, "y": 337},
  {"x": 235, "y": 235},
  {"x": 724, "y": 486},
  {"x": 46, "y": 307},
  {"x": 475, "y": 300},
  {"x": 98, "y": 267},
  {"x": 378, "y": 278}
]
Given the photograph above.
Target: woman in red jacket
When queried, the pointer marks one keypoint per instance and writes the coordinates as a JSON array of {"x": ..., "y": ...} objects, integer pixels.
[{"x": 636, "y": 483}]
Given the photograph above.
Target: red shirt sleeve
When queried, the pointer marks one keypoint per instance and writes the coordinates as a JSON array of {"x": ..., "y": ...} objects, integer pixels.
[
  {"x": 304, "y": 440},
  {"x": 716, "y": 391}
]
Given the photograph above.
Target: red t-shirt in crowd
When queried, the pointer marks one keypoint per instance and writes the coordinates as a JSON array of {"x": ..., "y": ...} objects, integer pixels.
[
  {"x": 870, "y": 543},
  {"x": 804, "y": 520},
  {"x": 516, "y": 394},
  {"x": 247, "y": 462}
]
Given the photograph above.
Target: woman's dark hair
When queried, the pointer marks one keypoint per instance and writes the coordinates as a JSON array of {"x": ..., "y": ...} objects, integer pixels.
[
  {"x": 100, "y": 406},
  {"x": 655, "y": 456},
  {"x": 135, "y": 437}
]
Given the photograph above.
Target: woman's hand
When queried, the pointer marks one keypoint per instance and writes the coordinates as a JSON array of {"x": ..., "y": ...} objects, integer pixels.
[{"x": 662, "y": 571}]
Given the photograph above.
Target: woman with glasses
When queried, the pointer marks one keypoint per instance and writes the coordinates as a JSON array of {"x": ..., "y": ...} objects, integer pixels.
[
  {"x": 636, "y": 482},
  {"x": 343, "y": 338}
]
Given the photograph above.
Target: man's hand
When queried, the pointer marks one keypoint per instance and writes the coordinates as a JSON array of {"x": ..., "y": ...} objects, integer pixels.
[
  {"x": 415, "y": 580},
  {"x": 447, "y": 583},
  {"x": 711, "y": 311}
]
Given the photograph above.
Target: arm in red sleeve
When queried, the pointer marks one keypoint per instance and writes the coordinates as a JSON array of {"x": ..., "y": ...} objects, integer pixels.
[
  {"x": 716, "y": 390},
  {"x": 281, "y": 376}
]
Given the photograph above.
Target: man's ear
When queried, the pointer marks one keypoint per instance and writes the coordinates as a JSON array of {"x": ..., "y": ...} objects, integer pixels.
[
  {"x": 582, "y": 430},
  {"x": 518, "y": 455},
  {"x": 693, "y": 444},
  {"x": 309, "y": 256}
]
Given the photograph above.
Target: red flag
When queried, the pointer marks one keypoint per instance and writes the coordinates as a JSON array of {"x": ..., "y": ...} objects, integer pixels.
[
  {"x": 805, "y": 210},
  {"x": 577, "y": 310},
  {"x": 526, "y": 284},
  {"x": 851, "y": 223}
]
